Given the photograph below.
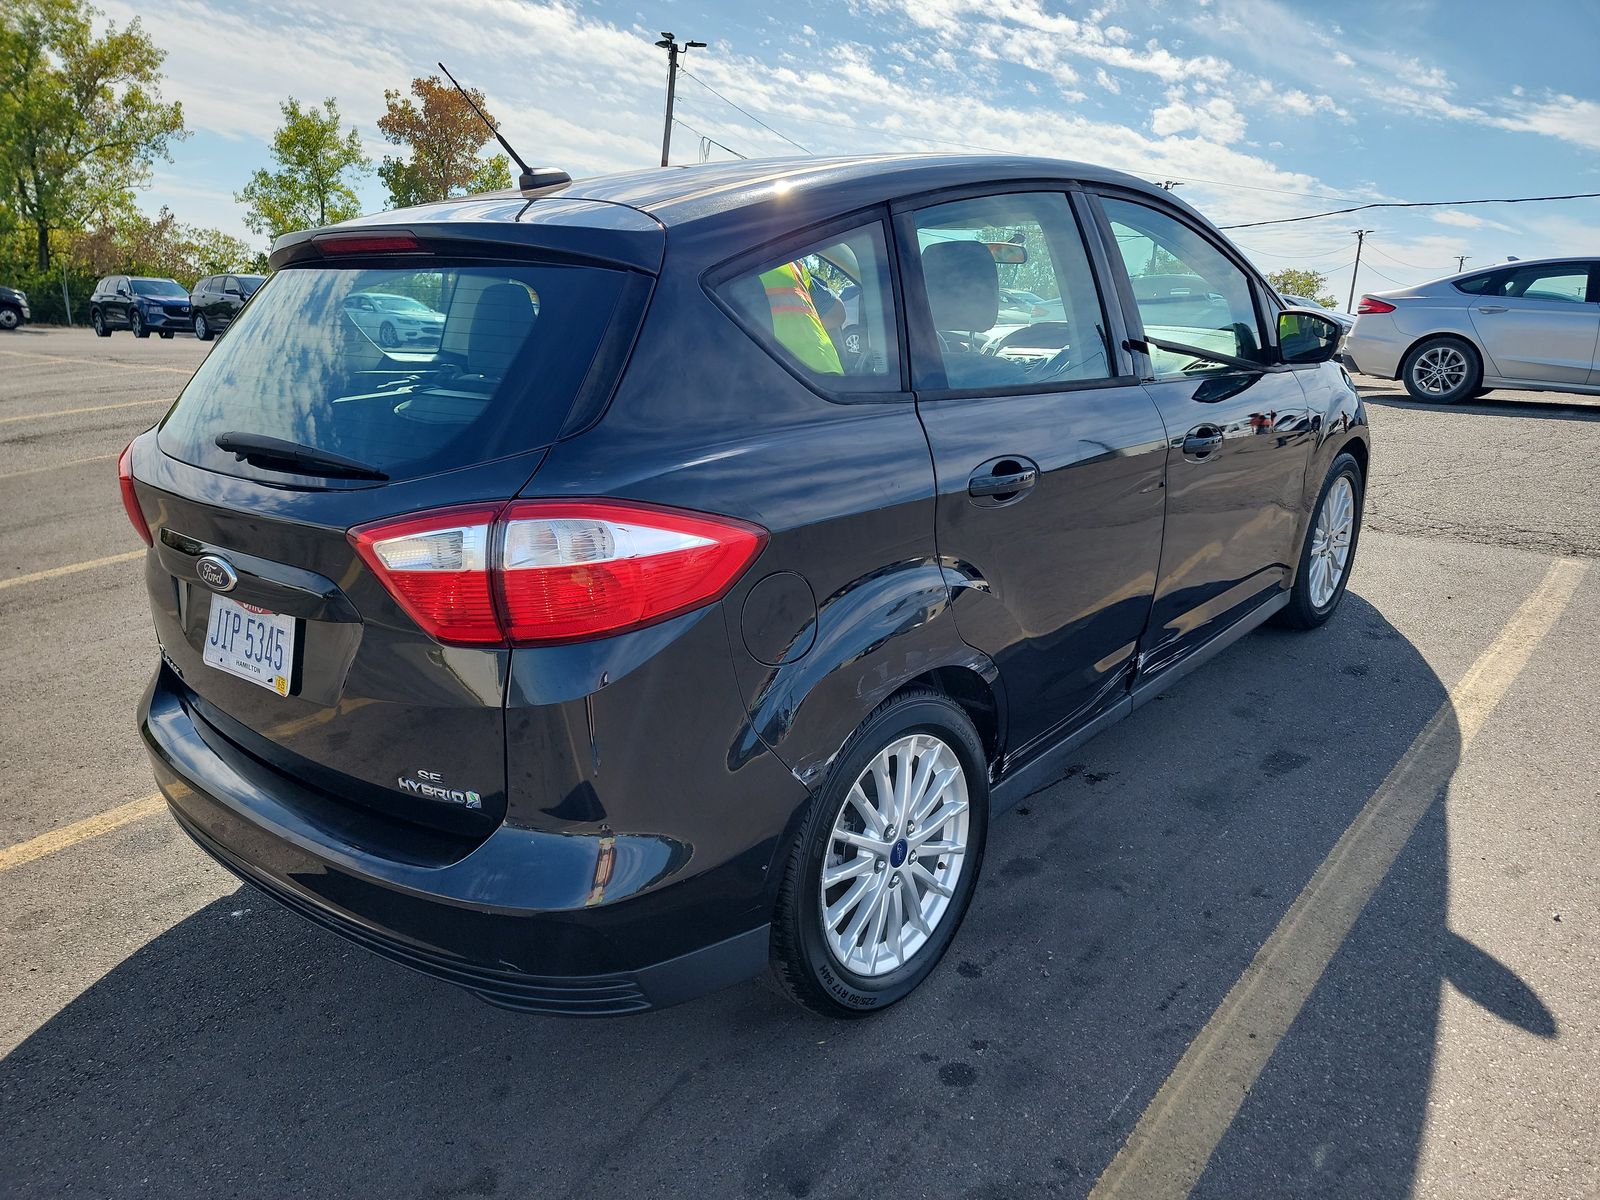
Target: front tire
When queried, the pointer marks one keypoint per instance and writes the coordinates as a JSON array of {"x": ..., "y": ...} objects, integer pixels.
[
  {"x": 201, "y": 329},
  {"x": 1442, "y": 370},
  {"x": 881, "y": 874},
  {"x": 387, "y": 337},
  {"x": 1329, "y": 552},
  {"x": 10, "y": 319},
  {"x": 166, "y": 335},
  {"x": 136, "y": 323}
]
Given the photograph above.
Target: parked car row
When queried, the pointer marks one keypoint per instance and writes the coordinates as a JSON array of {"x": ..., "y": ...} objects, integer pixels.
[
  {"x": 144, "y": 304},
  {"x": 1533, "y": 325}
]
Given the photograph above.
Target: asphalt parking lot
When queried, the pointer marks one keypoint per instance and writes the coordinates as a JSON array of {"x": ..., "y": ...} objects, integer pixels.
[{"x": 1320, "y": 922}]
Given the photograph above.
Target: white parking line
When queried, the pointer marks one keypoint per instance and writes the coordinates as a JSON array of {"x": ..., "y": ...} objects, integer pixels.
[
  {"x": 77, "y": 462},
  {"x": 67, "y": 412},
  {"x": 70, "y": 569}
]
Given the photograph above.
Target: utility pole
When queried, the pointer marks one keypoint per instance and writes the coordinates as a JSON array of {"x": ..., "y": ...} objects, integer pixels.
[
  {"x": 1461, "y": 263},
  {"x": 673, "y": 49},
  {"x": 1361, "y": 236}
]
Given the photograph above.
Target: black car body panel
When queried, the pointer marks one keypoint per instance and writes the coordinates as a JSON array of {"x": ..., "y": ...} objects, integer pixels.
[
  {"x": 639, "y": 791},
  {"x": 14, "y": 309}
]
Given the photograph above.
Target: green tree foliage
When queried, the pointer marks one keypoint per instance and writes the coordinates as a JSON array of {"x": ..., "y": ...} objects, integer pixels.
[
  {"x": 81, "y": 117},
  {"x": 128, "y": 243},
  {"x": 1295, "y": 281},
  {"x": 444, "y": 137},
  {"x": 315, "y": 165}
]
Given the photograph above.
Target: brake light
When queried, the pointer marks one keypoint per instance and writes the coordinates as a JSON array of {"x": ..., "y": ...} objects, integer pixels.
[
  {"x": 367, "y": 243},
  {"x": 542, "y": 571},
  {"x": 129, "y": 500},
  {"x": 1371, "y": 304}
]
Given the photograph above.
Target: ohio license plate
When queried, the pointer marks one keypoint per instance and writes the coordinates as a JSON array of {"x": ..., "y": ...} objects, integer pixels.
[{"x": 251, "y": 642}]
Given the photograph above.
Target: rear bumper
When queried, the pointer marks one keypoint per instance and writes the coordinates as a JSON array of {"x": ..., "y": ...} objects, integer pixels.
[
  {"x": 521, "y": 921},
  {"x": 1375, "y": 346}
]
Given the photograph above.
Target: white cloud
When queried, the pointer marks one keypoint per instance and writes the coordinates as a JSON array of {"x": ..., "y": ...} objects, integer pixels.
[
  {"x": 1562, "y": 116},
  {"x": 1216, "y": 119}
]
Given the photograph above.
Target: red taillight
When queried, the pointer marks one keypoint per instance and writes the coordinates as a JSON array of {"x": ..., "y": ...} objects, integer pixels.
[
  {"x": 1371, "y": 304},
  {"x": 542, "y": 571},
  {"x": 129, "y": 500},
  {"x": 367, "y": 243},
  {"x": 436, "y": 565}
]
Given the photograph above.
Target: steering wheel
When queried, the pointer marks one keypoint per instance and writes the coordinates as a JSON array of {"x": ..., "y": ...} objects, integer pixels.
[
  {"x": 1039, "y": 327},
  {"x": 855, "y": 349}
]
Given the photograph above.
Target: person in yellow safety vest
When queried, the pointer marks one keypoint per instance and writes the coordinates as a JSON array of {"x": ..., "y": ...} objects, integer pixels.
[{"x": 796, "y": 322}]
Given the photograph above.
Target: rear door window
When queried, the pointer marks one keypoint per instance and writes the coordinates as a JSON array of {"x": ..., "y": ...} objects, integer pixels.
[
  {"x": 407, "y": 371},
  {"x": 1010, "y": 292},
  {"x": 825, "y": 309}
]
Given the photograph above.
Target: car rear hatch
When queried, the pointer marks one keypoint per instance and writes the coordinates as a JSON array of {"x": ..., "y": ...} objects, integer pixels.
[{"x": 303, "y": 424}]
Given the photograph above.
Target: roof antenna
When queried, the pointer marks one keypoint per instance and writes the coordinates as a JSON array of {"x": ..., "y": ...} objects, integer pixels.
[{"x": 529, "y": 180}]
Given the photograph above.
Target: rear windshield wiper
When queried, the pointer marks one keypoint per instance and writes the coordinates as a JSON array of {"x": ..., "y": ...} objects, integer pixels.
[{"x": 276, "y": 453}]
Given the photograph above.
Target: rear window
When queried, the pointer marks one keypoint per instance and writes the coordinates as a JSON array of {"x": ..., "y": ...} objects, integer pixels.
[{"x": 408, "y": 371}]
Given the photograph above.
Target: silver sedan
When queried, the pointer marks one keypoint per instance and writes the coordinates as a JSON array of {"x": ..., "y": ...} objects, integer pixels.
[{"x": 1533, "y": 325}]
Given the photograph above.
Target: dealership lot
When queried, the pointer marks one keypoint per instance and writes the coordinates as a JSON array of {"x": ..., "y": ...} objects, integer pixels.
[{"x": 168, "y": 1031}]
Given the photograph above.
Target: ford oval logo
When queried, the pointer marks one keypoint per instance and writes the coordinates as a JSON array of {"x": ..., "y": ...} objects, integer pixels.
[{"x": 216, "y": 573}]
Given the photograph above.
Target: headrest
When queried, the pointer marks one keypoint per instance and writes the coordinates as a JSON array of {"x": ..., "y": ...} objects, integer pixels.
[
  {"x": 963, "y": 285},
  {"x": 500, "y": 324}
]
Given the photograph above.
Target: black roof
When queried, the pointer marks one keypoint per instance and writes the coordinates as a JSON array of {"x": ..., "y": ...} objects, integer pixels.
[{"x": 630, "y": 211}]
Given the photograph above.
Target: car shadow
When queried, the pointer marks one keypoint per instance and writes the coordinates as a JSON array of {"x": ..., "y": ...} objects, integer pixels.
[
  {"x": 1572, "y": 409},
  {"x": 245, "y": 1052}
]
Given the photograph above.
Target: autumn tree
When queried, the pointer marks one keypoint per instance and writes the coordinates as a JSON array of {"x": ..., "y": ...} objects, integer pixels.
[
  {"x": 315, "y": 166},
  {"x": 81, "y": 116},
  {"x": 444, "y": 137}
]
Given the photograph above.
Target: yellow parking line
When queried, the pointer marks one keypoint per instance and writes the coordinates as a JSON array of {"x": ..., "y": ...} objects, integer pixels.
[
  {"x": 67, "y": 412},
  {"x": 70, "y": 569},
  {"x": 110, "y": 364},
  {"x": 77, "y": 462},
  {"x": 79, "y": 831},
  {"x": 1174, "y": 1139}
]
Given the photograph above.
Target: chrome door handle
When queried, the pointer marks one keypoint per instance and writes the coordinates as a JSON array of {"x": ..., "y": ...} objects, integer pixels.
[{"x": 1491, "y": 308}]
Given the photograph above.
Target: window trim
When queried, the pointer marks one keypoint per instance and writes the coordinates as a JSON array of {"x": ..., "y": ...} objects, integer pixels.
[
  {"x": 933, "y": 383},
  {"x": 1263, "y": 299},
  {"x": 795, "y": 240}
]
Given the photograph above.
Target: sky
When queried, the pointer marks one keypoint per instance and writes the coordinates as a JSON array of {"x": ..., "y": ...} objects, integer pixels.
[{"x": 1257, "y": 109}]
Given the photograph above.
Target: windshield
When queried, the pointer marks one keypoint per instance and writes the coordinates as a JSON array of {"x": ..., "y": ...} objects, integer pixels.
[
  {"x": 158, "y": 287},
  {"x": 407, "y": 371},
  {"x": 249, "y": 283}
]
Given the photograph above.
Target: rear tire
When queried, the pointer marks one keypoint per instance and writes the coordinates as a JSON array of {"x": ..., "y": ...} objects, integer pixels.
[
  {"x": 1329, "y": 552},
  {"x": 98, "y": 320},
  {"x": 918, "y": 736},
  {"x": 1442, "y": 370}
]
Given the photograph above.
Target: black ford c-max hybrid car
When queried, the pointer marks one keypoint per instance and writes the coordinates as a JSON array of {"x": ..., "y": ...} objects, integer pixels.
[{"x": 691, "y": 599}]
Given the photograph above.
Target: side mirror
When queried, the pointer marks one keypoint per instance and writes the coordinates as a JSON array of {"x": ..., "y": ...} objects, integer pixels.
[
  {"x": 1307, "y": 337},
  {"x": 233, "y": 291}
]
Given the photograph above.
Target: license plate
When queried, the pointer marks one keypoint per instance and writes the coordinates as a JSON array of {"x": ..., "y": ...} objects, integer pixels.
[{"x": 250, "y": 642}]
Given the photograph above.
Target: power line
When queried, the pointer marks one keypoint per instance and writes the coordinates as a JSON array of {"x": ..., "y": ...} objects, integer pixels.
[
  {"x": 1400, "y": 262},
  {"x": 706, "y": 138},
  {"x": 1339, "y": 212},
  {"x": 746, "y": 112}
]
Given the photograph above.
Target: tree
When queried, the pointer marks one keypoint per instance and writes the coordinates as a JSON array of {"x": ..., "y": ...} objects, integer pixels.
[
  {"x": 444, "y": 136},
  {"x": 315, "y": 165},
  {"x": 81, "y": 117},
  {"x": 1296, "y": 281}
]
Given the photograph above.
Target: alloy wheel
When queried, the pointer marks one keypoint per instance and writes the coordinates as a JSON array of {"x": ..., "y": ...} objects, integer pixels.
[
  {"x": 1331, "y": 540},
  {"x": 895, "y": 855},
  {"x": 1439, "y": 370}
]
